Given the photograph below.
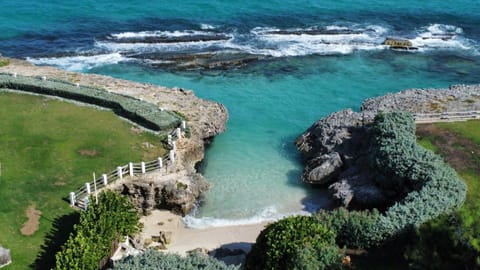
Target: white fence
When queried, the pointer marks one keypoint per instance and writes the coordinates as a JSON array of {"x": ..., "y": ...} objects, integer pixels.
[
  {"x": 80, "y": 197},
  {"x": 446, "y": 116}
]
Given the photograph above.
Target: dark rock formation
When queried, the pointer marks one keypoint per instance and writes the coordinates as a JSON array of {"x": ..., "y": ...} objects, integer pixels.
[{"x": 336, "y": 147}]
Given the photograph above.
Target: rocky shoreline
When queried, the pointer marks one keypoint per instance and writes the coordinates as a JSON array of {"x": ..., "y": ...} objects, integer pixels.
[
  {"x": 205, "y": 119},
  {"x": 335, "y": 147}
]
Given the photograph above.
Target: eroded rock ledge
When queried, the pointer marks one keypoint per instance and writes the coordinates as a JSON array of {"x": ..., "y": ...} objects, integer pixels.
[
  {"x": 336, "y": 146},
  {"x": 181, "y": 185}
]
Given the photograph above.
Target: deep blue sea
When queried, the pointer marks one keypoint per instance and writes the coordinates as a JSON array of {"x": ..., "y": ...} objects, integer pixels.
[{"x": 308, "y": 59}]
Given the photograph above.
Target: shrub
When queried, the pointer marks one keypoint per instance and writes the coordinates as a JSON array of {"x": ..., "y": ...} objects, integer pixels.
[
  {"x": 353, "y": 229},
  {"x": 291, "y": 243},
  {"x": 431, "y": 186},
  {"x": 100, "y": 226},
  {"x": 439, "y": 245},
  {"x": 154, "y": 260},
  {"x": 4, "y": 62}
]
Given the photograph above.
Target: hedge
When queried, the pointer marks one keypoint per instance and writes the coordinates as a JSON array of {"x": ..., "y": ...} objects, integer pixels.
[
  {"x": 100, "y": 227},
  {"x": 145, "y": 114},
  {"x": 155, "y": 260},
  {"x": 432, "y": 187}
]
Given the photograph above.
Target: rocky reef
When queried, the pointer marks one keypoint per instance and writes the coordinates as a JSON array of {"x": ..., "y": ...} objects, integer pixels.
[
  {"x": 179, "y": 186},
  {"x": 336, "y": 147}
]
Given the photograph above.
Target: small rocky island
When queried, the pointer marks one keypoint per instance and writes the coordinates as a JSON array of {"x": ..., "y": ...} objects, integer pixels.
[{"x": 336, "y": 147}]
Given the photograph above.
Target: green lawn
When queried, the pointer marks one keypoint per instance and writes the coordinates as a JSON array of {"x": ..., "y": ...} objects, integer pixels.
[
  {"x": 459, "y": 144},
  {"x": 47, "y": 149}
]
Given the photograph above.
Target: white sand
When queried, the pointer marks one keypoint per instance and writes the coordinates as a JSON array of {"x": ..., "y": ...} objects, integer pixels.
[{"x": 186, "y": 239}]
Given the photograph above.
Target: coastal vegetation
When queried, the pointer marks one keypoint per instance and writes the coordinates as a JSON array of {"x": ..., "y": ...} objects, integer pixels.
[
  {"x": 299, "y": 242},
  {"x": 428, "y": 189},
  {"x": 4, "y": 62},
  {"x": 104, "y": 223},
  {"x": 155, "y": 260},
  {"x": 47, "y": 149}
]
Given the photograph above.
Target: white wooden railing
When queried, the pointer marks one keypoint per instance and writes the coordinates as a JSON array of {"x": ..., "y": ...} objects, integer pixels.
[{"x": 80, "y": 197}]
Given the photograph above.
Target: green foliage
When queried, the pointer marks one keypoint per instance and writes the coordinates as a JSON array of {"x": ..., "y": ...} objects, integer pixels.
[
  {"x": 439, "y": 245},
  {"x": 4, "y": 62},
  {"x": 323, "y": 256},
  {"x": 40, "y": 150},
  {"x": 102, "y": 224},
  {"x": 431, "y": 186},
  {"x": 143, "y": 113},
  {"x": 291, "y": 243},
  {"x": 354, "y": 229},
  {"x": 154, "y": 260}
]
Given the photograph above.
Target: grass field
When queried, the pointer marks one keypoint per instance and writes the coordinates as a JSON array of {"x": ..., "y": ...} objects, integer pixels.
[
  {"x": 47, "y": 149},
  {"x": 459, "y": 144}
]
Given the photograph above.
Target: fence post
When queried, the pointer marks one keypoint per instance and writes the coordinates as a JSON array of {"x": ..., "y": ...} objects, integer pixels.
[
  {"x": 174, "y": 146},
  {"x": 105, "y": 181},
  {"x": 86, "y": 202},
  {"x": 160, "y": 162},
  {"x": 169, "y": 139},
  {"x": 143, "y": 167},
  {"x": 130, "y": 168},
  {"x": 179, "y": 132},
  {"x": 87, "y": 186},
  {"x": 120, "y": 172},
  {"x": 172, "y": 156},
  {"x": 14, "y": 74},
  {"x": 184, "y": 125},
  {"x": 72, "y": 198}
]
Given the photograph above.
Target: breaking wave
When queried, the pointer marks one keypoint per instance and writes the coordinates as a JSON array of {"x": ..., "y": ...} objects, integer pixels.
[
  {"x": 81, "y": 62},
  {"x": 268, "y": 214},
  {"x": 216, "y": 48}
]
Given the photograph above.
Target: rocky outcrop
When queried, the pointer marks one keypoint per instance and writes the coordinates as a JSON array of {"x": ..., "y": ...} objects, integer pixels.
[
  {"x": 180, "y": 185},
  {"x": 336, "y": 147}
]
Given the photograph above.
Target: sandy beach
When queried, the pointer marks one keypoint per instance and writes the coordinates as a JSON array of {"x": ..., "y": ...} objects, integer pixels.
[{"x": 185, "y": 239}]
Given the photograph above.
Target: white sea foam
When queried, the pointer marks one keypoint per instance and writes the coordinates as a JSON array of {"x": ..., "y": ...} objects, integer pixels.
[
  {"x": 144, "y": 34},
  {"x": 80, "y": 63},
  {"x": 281, "y": 44},
  {"x": 441, "y": 37},
  {"x": 156, "y": 47},
  {"x": 205, "y": 26},
  {"x": 265, "y": 215}
]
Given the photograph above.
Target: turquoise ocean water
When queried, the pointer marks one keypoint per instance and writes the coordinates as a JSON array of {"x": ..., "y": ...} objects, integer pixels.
[{"x": 316, "y": 57}]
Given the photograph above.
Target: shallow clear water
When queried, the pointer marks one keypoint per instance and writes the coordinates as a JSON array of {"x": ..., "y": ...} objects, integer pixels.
[{"x": 254, "y": 167}]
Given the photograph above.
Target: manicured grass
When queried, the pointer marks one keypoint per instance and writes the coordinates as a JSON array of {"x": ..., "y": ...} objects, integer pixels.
[{"x": 49, "y": 148}]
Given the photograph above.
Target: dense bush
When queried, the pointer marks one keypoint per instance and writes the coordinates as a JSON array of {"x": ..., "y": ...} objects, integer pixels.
[
  {"x": 100, "y": 226},
  {"x": 143, "y": 113},
  {"x": 353, "y": 229},
  {"x": 440, "y": 245},
  {"x": 295, "y": 243},
  {"x": 431, "y": 186},
  {"x": 154, "y": 260}
]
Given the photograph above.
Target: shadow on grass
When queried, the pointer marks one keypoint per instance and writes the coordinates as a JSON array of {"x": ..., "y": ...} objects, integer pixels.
[{"x": 62, "y": 227}]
